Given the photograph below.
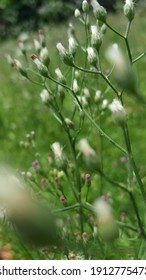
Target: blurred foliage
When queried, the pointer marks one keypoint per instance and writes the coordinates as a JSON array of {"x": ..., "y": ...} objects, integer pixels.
[{"x": 29, "y": 14}]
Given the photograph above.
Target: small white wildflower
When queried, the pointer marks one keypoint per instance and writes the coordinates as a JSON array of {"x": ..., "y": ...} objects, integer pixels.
[
  {"x": 86, "y": 93},
  {"x": 57, "y": 149},
  {"x": 71, "y": 30},
  {"x": 116, "y": 57},
  {"x": 75, "y": 86},
  {"x": 77, "y": 74},
  {"x": 37, "y": 45},
  {"x": 97, "y": 95},
  {"x": 99, "y": 11},
  {"x": 64, "y": 54},
  {"x": 89, "y": 155},
  {"x": 107, "y": 227},
  {"x": 69, "y": 123},
  {"x": 84, "y": 101},
  {"x": 129, "y": 9},
  {"x": 96, "y": 37},
  {"x": 118, "y": 111},
  {"x": 72, "y": 45},
  {"x": 124, "y": 74},
  {"x": 45, "y": 96},
  {"x": 77, "y": 13},
  {"x": 104, "y": 104},
  {"x": 16, "y": 63},
  {"x": 85, "y": 6},
  {"x": 44, "y": 56},
  {"x": 91, "y": 56},
  {"x": 40, "y": 66},
  {"x": 85, "y": 148},
  {"x": 103, "y": 211},
  {"x": 60, "y": 76}
]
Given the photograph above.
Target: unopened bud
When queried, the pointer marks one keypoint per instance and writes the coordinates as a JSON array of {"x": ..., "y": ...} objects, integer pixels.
[
  {"x": 107, "y": 227},
  {"x": 75, "y": 86},
  {"x": 16, "y": 63},
  {"x": 60, "y": 76},
  {"x": 45, "y": 96},
  {"x": 37, "y": 45},
  {"x": 44, "y": 56},
  {"x": 40, "y": 66},
  {"x": 65, "y": 56},
  {"x": 72, "y": 45},
  {"x": 77, "y": 13},
  {"x": 99, "y": 11},
  {"x": 91, "y": 56},
  {"x": 89, "y": 154},
  {"x": 118, "y": 112},
  {"x": 69, "y": 123},
  {"x": 129, "y": 9},
  {"x": 85, "y": 6},
  {"x": 97, "y": 96},
  {"x": 86, "y": 93},
  {"x": 96, "y": 37}
]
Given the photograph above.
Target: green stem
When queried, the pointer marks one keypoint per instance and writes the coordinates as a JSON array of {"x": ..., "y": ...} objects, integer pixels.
[
  {"x": 132, "y": 161},
  {"x": 132, "y": 198},
  {"x": 71, "y": 186},
  {"x": 114, "y": 30},
  {"x": 103, "y": 134},
  {"x": 139, "y": 57}
]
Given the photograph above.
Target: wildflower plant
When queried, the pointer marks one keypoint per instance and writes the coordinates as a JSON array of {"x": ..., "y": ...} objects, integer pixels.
[{"x": 75, "y": 180}]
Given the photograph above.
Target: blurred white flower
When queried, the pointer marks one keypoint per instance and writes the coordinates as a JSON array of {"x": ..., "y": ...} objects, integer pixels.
[
  {"x": 57, "y": 149},
  {"x": 118, "y": 111}
]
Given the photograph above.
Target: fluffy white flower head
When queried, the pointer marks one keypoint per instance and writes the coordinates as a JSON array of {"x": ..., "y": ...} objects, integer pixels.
[
  {"x": 115, "y": 56},
  {"x": 85, "y": 148},
  {"x": 118, "y": 111},
  {"x": 57, "y": 149}
]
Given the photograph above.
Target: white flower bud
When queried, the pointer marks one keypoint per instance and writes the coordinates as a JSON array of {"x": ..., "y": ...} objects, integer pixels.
[
  {"x": 116, "y": 57},
  {"x": 37, "y": 45},
  {"x": 59, "y": 156},
  {"x": 91, "y": 56},
  {"x": 40, "y": 66},
  {"x": 57, "y": 149},
  {"x": 45, "y": 96},
  {"x": 85, "y": 148},
  {"x": 97, "y": 95},
  {"x": 77, "y": 74},
  {"x": 66, "y": 57},
  {"x": 16, "y": 63},
  {"x": 96, "y": 37},
  {"x": 84, "y": 101},
  {"x": 44, "y": 56},
  {"x": 75, "y": 86},
  {"x": 107, "y": 227},
  {"x": 104, "y": 104},
  {"x": 85, "y": 6},
  {"x": 89, "y": 154},
  {"x": 69, "y": 123},
  {"x": 124, "y": 74},
  {"x": 86, "y": 93},
  {"x": 72, "y": 45},
  {"x": 60, "y": 76},
  {"x": 129, "y": 9},
  {"x": 118, "y": 112},
  {"x": 77, "y": 13},
  {"x": 99, "y": 11}
]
